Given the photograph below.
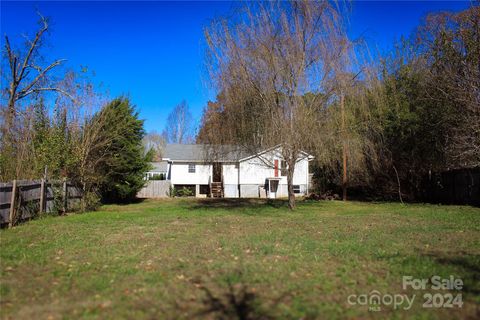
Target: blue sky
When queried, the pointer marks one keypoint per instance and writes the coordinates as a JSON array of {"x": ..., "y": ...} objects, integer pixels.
[{"x": 153, "y": 51}]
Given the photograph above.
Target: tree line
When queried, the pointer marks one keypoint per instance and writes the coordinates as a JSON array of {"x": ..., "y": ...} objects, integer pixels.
[
  {"x": 287, "y": 74},
  {"x": 56, "y": 123}
]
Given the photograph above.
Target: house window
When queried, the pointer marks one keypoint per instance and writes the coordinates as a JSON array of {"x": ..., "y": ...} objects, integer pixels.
[
  {"x": 283, "y": 168},
  {"x": 191, "y": 168},
  {"x": 296, "y": 189}
]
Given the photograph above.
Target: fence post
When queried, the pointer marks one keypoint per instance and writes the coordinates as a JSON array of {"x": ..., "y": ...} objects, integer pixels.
[
  {"x": 42, "y": 196},
  {"x": 12, "y": 204},
  {"x": 65, "y": 196}
]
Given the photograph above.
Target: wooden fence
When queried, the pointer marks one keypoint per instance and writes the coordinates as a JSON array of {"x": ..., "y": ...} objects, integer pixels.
[
  {"x": 461, "y": 186},
  {"x": 25, "y": 199},
  {"x": 155, "y": 189}
]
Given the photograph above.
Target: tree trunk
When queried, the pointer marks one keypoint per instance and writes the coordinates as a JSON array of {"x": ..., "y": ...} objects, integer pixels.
[
  {"x": 344, "y": 178},
  {"x": 10, "y": 114},
  {"x": 9, "y": 119},
  {"x": 84, "y": 195},
  {"x": 291, "y": 194},
  {"x": 399, "y": 186},
  {"x": 344, "y": 151}
]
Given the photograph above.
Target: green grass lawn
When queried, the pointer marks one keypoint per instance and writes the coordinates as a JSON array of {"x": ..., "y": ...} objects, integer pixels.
[{"x": 216, "y": 259}]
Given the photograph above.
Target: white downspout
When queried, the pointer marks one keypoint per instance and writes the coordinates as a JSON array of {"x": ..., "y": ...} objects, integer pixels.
[
  {"x": 308, "y": 176},
  {"x": 238, "y": 180}
]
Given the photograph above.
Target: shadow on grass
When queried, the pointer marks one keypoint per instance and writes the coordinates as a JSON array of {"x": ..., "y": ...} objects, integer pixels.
[
  {"x": 123, "y": 203},
  {"x": 226, "y": 296},
  {"x": 235, "y": 300},
  {"x": 236, "y": 203},
  {"x": 469, "y": 265},
  {"x": 132, "y": 201}
]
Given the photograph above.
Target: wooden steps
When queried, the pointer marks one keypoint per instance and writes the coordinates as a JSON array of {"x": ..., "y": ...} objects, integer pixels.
[{"x": 216, "y": 190}]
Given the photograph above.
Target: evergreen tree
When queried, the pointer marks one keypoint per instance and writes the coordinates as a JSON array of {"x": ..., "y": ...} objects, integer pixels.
[{"x": 123, "y": 168}]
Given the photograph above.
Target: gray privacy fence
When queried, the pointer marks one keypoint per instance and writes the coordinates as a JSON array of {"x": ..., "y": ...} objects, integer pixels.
[
  {"x": 25, "y": 199},
  {"x": 155, "y": 189}
]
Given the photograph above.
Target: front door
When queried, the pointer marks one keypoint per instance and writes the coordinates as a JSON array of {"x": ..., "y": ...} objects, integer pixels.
[{"x": 217, "y": 172}]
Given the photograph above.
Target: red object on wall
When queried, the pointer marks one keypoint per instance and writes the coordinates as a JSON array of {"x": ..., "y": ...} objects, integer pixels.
[{"x": 276, "y": 167}]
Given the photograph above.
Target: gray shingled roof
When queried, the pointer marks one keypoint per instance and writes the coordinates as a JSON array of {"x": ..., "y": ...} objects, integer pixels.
[
  {"x": 202, "y": 152},
  {"x": 159, "y": 166}
]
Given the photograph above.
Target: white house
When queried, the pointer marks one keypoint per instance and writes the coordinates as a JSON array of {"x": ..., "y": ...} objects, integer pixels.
[{"x": 225, "y": 171}]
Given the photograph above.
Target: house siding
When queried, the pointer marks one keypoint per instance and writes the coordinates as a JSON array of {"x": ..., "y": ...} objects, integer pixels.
[
  {"x": 230, "y": 174},
  {"x": 249, "y": 190},
  {"x": 254, "y": 172},
  {"x": 230, "y": 180},
  {"x": 180, "y": 175},
  {"x": 231, "y": 190}
]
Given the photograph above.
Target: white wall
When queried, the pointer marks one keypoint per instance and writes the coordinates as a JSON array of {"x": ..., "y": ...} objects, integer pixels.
[
  {"x": 180, "y": 174},
  {"x": 300, "y": 175},
  {"x": 230, "y": 173},
  {"x": 255, "y": 171},
  {"x": 249, "y": 191},
  {"x": 231, "y": 190},
  {"x": 230, "y": 180}
]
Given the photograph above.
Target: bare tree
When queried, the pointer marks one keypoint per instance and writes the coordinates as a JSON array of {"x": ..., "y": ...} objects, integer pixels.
[
  {"x": 179, "y": 126},
  {"x": 276, "y": 69},
  {"x": 27, "y": 76},
  {"x": 450, "y": 44},
  {"x": 91, "y": 148},
  {"x": 153, "y": 141}
]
